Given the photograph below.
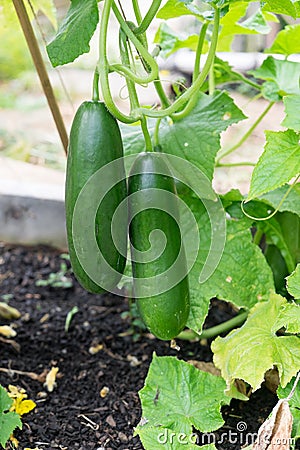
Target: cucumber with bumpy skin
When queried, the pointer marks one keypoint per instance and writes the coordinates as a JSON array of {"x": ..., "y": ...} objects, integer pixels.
[
  {"x": 166, "y": 313},
  {"x": 95, "y": 141}
]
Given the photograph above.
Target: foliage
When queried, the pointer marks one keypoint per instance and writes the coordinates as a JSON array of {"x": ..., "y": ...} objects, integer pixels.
[{"x": 258, "y": 236}]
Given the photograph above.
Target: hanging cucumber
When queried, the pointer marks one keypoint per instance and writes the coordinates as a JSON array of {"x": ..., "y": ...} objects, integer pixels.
[
  {"x": 95, "y": 141},
  {"x": 160, "y": 283}
]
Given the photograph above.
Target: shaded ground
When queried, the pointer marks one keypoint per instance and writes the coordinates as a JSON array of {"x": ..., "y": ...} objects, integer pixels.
[{"x": 74, "y": 415}]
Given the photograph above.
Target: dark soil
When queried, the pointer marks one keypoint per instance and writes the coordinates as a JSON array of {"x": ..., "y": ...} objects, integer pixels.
[{"x": 74, "y": 415}]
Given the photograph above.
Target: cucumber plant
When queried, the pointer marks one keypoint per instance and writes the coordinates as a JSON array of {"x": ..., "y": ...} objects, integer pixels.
[{"x": 250, "y": 255}]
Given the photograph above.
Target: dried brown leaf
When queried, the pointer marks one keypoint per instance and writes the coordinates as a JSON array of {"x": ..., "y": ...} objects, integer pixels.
[
  {"x": 205, "y": 367},
  {"x": 275, "y": 432}
]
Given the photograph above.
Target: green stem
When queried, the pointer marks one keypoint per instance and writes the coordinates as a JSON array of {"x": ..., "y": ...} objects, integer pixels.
[
  {"x": 199, "y": 50},
  {"x": 211, "y": 80},
  {"x": 134, "y": 101},
  {"x": 103, "y": 67},
  {"x": 247, "y": 81},
  {"x": 238, "y": 164},
  {"x": 161, "y": 93},
  {"x": 137, "y": 11},
  {"x": 156, "y": 133},
  {"x": 151, "y": 13},
  {"x": 216, "y": 330},
  {"x": 257, "y": 237},
  {"x": 193, "y": 90},
  {"x": 246, "y": 135},
  {"x": 95, "y": 96},
  {"x": 149, "y": 60},
  {"x": 147, "y": 137}
]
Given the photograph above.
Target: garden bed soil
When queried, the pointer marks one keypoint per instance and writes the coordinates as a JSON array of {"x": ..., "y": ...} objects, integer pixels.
[{"x": 75, "y": 415}]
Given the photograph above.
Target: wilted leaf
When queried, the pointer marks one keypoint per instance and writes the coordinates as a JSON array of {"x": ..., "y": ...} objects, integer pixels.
[
  {"x": 275, "y": 432},
  {"x": 8, "y": 312},
  {"x": 7, "y": 331}
]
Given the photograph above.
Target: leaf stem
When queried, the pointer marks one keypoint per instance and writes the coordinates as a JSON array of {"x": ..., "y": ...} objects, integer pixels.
[
  {"x": 156, "y": 133},
  {"x": 212, "y": 332},
  {"x": 144, "y": 25},
  {"x": 103, "y": 67},
  {"x": 149, "y": 60},
  {"x": 95, "y": 96},
  {"x": 190, "y": 93},
  {"x": 211, "y": 80},
  {"x": 257, "y": 237},
  {"x": 137, "y": 11},
  {"x": 199, "y": 50},
  {"x": 224, "y": 153},
  {"x": 147, "y": 137},
  {"x": 238, "y": 164}
]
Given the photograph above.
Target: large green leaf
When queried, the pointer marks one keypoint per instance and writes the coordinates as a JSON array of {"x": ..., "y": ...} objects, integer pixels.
[
  {"x": 247, "y": 353},
  {"x": 9, "y": 421},
  {"x": 282, "y": 78},
  {"x": 165, "y": 439},
  {"x": 170, "y": 42},
  {"x": 292, "y": 111},
  {"x": 75, "y": 32},
  {"x": 278, "y": 164},
  {"x": 287, "y": 41},
  {"x": 291, "y": 202},
  {"x": 289, "y": 318},
  {"x": 197, "y": 137},
  {"x": 294, "y": 403},
  {"x": 242, "y": 277},
  {"x": 287, "y": 7},
  {"x": 178, "y": 8},
  {"x": 293, "y": 283},
  {"x": 178, "y": 396},
  {"x": 257, "y": 22}
]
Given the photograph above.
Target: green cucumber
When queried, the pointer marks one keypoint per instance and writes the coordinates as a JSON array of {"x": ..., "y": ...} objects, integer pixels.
[
  {"x": 95, "y": 141},
  {"x": 150, "y": 181}
]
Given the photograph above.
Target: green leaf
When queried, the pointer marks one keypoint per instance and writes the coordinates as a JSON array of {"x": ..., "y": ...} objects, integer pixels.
[
  {"x": 166, "y": 439},
  {"x": 9, "y": 421},
  {"x": 293, "y": 283},
  {"x": 292, "y": 111},
  {"x": 197, "y": 137},
  {"x": 75, "y": 32},
  {"x": 282, "y": 78},
  {"x": 289, "y": 317},
  {"x": 178, "y": 8},
  {"x": 248, "y": 352},
  {"x": 294, "y": 403},
  {"x": 287, "y": 41},
  {"x": 256, "y": 22},
  {"x": 242, "y": 277},
  {"x": 278, "y": 164},
  {"x": 281, "y": 7},
  {"x": 291, "y": 202},
  {"x": 170, "y": 42},
  {"x": 5, "y": 400},
  {"x": 178, "y": 396}
]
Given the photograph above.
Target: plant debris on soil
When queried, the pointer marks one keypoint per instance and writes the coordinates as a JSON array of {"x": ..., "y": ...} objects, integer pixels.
[{"x": 102, "y": 364}]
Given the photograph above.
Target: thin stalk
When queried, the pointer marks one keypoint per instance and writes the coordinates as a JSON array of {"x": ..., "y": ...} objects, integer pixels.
[
  {"x": 147, "y": 137},
  {"x": 199, "y": 50},
  {"x": 161, "y": 93},
  {"x": 41, "y": 70},
  {"x": 211, "y": 80},
  {"x": 216, "y": 330},
  {"x": 149, "y": 60},
  {"x": 123, "y": 45},
  {"x": 137, "y": 11},
  {"x": 257, "y": 237},
  {"x": 156, "y": 133},
  {"x": 151, "y": 13},
  {"x": 238, "y": 164},
  {"x": 246, "y": 135},
  {"x": 103, "y": 67},
  {"x": 96, "y": 86},
  {"x": 192, "y": 91}
]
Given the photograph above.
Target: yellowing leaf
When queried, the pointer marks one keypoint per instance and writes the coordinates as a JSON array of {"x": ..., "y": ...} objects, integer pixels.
[
  {"x": 14, "y": 441},
  {"x": 50, "y": 382},
  {"x": 8, "y": 312},
  {"x": 248, "y": 352}
]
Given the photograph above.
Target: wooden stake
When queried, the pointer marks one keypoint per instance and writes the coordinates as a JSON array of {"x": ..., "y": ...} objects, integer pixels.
[{"x": 41, "y": 70}]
